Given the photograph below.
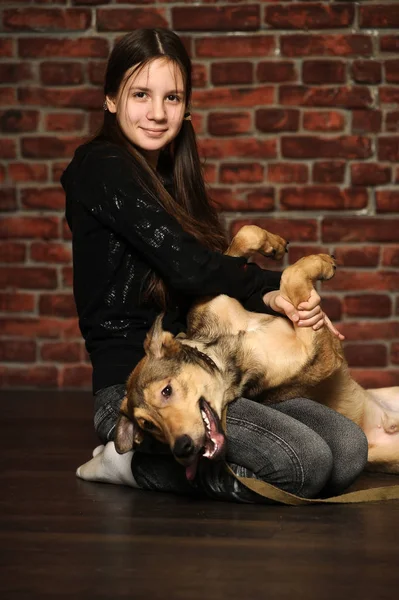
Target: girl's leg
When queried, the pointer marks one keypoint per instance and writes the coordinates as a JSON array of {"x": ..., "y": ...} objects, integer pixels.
[{"x": 345, "y": 439}]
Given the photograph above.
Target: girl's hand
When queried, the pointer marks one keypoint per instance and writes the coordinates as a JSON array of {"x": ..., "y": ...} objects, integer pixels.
[{"x": 308, "y": 314}]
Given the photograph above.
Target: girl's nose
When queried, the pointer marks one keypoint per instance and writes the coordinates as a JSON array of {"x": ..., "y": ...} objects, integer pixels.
[{"x": 156, "y": 111}]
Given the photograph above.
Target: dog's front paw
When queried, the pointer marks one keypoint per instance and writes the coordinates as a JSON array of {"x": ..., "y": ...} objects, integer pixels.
[{"x": 107, "y": 466}]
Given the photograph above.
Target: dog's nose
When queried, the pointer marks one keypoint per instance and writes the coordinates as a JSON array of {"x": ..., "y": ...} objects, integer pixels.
[{"x": 184, "y": 446}]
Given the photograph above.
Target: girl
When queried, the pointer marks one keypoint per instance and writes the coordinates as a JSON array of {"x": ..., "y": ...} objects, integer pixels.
[{"x": 146, "y": 239}]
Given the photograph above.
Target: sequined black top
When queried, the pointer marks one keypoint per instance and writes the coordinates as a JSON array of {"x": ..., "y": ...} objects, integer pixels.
[{"x": 120, "y": 236}]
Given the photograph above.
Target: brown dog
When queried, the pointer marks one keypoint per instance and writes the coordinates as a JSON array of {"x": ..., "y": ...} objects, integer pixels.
[{"x": 179, "y": 389}]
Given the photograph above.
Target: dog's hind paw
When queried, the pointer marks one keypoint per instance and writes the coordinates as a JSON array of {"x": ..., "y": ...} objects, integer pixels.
[{"x": 107, "y": 466}]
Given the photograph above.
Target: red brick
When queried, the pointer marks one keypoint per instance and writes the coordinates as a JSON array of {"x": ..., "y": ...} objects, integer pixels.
[
  {"x": 96, "y": 71},
  {"x": 199, "y": 75},
  {"x": 322, "y": 198},
  {"x": 43, "y": 19},
  {"x": 378, "y": 306},
  {"x": 84, "y": 47},
  {"x": 61, "y": 73},
  {"x": 357, "y": 256},
  {"x": 235, "y": 46},
  {"x": 318, "y": 147},
  {"x": 77, "y": 377},
  {"x": 299, "y": 230},
  {"x": 287, "y": 173},
  {"x": 8, "y": 96},
  {"x": 301, "y": 95},
  {"x": 44, "y": 198},
  {"x": 369, "y": 330},
  {"x": 323, "y": 71},
  {"x": 327, "y": 120},
  {"x": 210, "y": 172},
  {"x": 17, "y": 351},
  {"x": 355, "y": 280},
  {"x": 389, "y": 43},
  {"x": 16, "y": 121},
  {"x": 309, "y": 16},
  {"x": 26, "y": 172},
  {"x": 8, "y": 149},
  {"x": 238, "y": 148},
  {"x": 226, "y": 123},
  {"x": 380, "y": 15},
  {"x": 57, "y": 305},
  {"x": 276, "y": 71},
  {"x": 71, "y": 329},
  {"x": 61, "y": 352},
  {"x": 34, "y": 327},
  {"x": 2, "y": 173},
  {"x": 49, "y": 147},
  {"x": 66, "y": 232},
  {"x": 359, "y": 229},
  {"x": 16, "y": 302},
  {"x": 50, "y": 252},
  {"x": 96, "y": 119},
  {"x": 392, "y": 121},
  {"x": 241, "y": 173},
  {"x": 388, "y": 148},
  {"x": 216, "y": 18},
  {"x": 32, "y": 378},
  {"x": 8, "y": 199},
  {"x": 370, "y": 174},
  {"x": 332, "y": 307},
  {"x": 15, "y": 72},
  {"x": 87, "y": 98},
  {"x": 374, "y": 378},
  {"x": 387, "y": 201},
  {"x": 388, "y": 95},
  {"x": 367, "y": 71},
  {"x": 326, "y": 45},
  {"x": 395, "y": 353},
  {"x": 29, "y": 227},
  {"x": 275, "y": 119},
  {"x": 390, "y": 256},
  {"x": 329, "y": 171},
  {"x": 366, "y": 355},
  {"x": 365, "y": 121},
  {"x": 223, "y": 73},
  {"x": 261, "y": 199},
  {"x": 12, "y": 252},
  {"x": 233, "y": 97},
  {"x": 65, "y": 122},
  {"x": 6, "y": 47},
  {"x": 28, "y": 278},
  {"x": 121, "y": 19}
]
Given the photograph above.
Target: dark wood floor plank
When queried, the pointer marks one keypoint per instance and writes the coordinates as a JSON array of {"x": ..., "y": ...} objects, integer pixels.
[{"x": 61, "y": 537}]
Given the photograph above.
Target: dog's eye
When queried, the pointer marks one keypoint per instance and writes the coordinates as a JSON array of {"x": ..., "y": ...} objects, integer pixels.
[
  {"x": 148, "y": 425},
  {"x": 167, "y": 391}
]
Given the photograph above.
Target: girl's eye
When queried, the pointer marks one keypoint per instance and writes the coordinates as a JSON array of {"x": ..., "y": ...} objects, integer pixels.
[
  {"x": 139, "y": 94},
  {"x": 173, "y": 98},
  {"x": 167, "y": 391},
  {"x": 148, "y": 425}
]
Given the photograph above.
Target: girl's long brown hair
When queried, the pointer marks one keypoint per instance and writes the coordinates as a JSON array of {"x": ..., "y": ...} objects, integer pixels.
[{"x": 190, "y": 204}]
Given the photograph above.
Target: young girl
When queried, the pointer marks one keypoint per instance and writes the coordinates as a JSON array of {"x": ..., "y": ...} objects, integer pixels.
[{"x": 146, "y": 239}]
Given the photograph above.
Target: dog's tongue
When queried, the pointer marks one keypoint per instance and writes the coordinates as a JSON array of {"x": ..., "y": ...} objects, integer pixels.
[{"x": 191, "y": 470}]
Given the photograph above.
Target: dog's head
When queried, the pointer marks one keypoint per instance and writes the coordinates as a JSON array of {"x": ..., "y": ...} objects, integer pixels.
[{"x": 176, "y": 394}]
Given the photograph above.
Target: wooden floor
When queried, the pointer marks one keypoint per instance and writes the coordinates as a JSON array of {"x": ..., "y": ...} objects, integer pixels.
[{"x": 64, "y": 538}]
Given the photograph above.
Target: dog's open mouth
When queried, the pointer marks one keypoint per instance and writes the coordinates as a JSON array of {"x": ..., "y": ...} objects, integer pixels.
[{"x": 214, "y": 440}]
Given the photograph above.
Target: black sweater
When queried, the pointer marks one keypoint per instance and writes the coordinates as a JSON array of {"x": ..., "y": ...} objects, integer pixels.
[{"x": 120, "y": 236}]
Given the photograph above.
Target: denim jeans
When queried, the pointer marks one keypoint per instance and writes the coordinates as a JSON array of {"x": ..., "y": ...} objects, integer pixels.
[{"x": 297, "y": 445}]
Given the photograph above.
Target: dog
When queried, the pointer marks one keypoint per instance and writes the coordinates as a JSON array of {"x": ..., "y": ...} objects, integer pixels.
[{"x": 179, "y": 390}]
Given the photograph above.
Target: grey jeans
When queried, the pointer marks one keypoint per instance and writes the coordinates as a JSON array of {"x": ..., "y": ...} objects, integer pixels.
[{"x": 298, "y": 445}]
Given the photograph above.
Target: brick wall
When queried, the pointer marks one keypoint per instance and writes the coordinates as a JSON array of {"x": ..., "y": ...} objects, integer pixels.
[{"x": 296, "y": 108}]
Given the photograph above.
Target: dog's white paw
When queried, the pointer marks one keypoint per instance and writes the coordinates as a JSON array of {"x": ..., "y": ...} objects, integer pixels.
[{"x": 108, "y": 466}]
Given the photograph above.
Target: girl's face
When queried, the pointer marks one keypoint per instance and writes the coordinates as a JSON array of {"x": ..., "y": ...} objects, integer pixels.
[{"x": 150, "y": 106}]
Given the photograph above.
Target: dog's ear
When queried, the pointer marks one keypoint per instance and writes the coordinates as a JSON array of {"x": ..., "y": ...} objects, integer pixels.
[
  {"x": 128, "y": 433},
  {"x": 159, "y": 343}
]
